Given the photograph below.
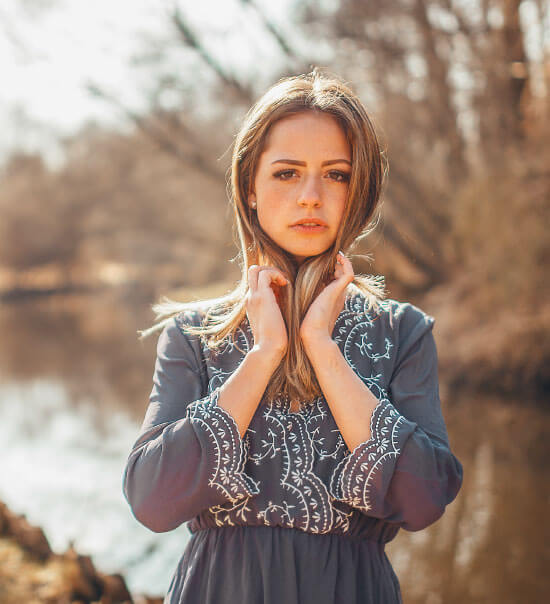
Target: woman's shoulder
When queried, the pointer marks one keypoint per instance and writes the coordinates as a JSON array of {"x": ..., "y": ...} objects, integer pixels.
[
  {"x": 177, "y": 339},
  {"x": 176, "y": 329},
  {"x": 396, "y": 326},
  {"x": 194, "y": 313},
  {"x": 397, "y": 316}
]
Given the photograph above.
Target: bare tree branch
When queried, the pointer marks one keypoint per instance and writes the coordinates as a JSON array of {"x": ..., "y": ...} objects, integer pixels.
[
  {"x": 190, "y": 39},
  {"x": 432, "y": 271},
  {"x": 162, "y": 139},
  {"x": 441, "y": 94},
  {"x": 273, "y": 30},
  {"x": 437, "y": 216}
]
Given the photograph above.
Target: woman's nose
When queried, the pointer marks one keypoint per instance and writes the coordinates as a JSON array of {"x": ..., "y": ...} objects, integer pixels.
[{"x": 310, "y": 193}]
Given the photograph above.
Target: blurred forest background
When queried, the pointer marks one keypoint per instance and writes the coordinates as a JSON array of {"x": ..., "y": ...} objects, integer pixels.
[{"x": 460, "y": 92}]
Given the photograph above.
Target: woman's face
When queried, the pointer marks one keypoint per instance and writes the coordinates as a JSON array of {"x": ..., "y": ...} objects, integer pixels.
[{"x": 303, "y": 172}]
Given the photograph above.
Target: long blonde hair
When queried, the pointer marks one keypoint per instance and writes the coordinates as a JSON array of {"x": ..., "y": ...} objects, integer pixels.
[{"x": 294, "y": 377}]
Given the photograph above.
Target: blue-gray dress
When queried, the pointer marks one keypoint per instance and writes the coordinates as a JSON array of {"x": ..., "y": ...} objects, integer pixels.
[{"x": 288, "y": 514}]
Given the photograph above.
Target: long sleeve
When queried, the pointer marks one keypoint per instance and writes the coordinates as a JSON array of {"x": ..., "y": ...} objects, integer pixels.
[
  {"x": 405, "y": 472},
  {"x": 189, "y": 454}
]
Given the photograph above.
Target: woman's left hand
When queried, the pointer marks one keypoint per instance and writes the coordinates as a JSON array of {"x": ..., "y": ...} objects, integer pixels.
[{"x": 318, "y": 324}]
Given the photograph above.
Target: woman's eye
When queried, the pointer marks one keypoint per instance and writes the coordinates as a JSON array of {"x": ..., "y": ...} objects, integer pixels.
[
  {"x": 334, "y": 174},
  {"x": 340, "y": 176},
  {"x": 281, "y": 174}
]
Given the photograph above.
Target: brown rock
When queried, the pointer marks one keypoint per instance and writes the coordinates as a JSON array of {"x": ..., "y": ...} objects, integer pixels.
[
  {"x": 141, "y": 599},
  {"x": 30, "y": 538},
  {"x": 114, "y": 589},
  {"x": 33, "y": 574},
  {"x": 82, "y": 577},
  {"x": 3, "y": 520}
]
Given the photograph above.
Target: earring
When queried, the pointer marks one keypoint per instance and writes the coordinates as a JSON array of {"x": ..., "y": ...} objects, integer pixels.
[{"x": 253, "y": 204}]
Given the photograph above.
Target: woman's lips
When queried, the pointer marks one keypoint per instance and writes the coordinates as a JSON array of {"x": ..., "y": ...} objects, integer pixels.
[{"x": 302, "y": 228}]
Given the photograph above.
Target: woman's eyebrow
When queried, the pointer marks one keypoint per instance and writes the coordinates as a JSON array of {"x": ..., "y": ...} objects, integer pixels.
[{"x": 303, "y": 163}]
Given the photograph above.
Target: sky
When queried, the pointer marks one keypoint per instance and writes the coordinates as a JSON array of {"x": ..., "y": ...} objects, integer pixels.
[{"x": 50, "y": 50}]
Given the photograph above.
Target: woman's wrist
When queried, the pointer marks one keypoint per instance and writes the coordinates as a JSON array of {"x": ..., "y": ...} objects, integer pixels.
[
  {"x": 317, "y": 343},
  {"x": 270, "y": 355}
]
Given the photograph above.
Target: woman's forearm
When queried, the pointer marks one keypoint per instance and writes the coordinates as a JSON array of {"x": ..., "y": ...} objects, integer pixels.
[
  {"x": 350, "y": 400},
  {"x": 242, "y": 392}
]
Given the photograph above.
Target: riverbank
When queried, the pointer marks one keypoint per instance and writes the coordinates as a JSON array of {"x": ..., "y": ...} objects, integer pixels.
[
  {"x": 490, "y": 346},
  {"x": 32, "y": 573}
]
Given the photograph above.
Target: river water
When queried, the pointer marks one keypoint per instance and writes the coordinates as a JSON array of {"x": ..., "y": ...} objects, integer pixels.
[{"x": 74, "y": 386}]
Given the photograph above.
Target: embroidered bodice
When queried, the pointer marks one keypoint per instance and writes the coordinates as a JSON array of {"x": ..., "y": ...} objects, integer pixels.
[{"x": 293, "y": 469}]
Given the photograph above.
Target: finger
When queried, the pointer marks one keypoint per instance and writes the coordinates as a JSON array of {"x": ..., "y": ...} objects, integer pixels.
[
  {"x": 345, "y": 263},
  {"x": 340, "y": 265},
  {"x": 342, "y": 259},
  {"x": 277, "y": 276},
  {"x": 269, "y": 275},
  {"x": 253, "y": 271}
]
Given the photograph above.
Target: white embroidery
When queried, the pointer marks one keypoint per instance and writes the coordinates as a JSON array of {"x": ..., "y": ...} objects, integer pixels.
[
  {"x": 322, "y": 453},
  {"x": 313, "y": 511},
  {"x": 282, "y": 510},
  {"x": 293, "y": 444},
  {"x": 270, "y": 445},
  {"x": 229, "y": 451},
  {"x": 353, "y": 477}
]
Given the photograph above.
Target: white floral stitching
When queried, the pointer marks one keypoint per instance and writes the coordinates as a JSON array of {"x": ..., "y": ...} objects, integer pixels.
[
  {"x": 299, "y": 446},
  {"x": 352, "y": 478},
  {"x": 315, "y": 513},
  {"x": 229, "y": 452}
]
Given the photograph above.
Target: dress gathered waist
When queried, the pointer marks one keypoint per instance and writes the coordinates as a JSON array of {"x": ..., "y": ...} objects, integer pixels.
[
  {"x": 273, "y": 564},
  {"x": 358, "y": 528},
  {"x": 283, "y": 529}
]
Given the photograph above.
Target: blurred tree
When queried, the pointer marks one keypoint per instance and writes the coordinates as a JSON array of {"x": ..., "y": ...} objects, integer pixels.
[
  {"x": 453, "y": 75},
  {"x": 34, "y": 230},
  {"x": 459, "y": 91}
]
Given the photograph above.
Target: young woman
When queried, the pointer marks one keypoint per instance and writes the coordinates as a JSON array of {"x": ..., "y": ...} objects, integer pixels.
[{"x": 295, "y": 422}]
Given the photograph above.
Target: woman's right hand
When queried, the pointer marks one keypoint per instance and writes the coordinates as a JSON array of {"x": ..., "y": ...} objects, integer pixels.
[{"x": 262, "y": 309}]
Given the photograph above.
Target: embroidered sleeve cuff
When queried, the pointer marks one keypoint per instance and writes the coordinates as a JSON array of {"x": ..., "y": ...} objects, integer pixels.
[
  {"x": 362, "y": 478},
  {"x": 226, "y": 454}
]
